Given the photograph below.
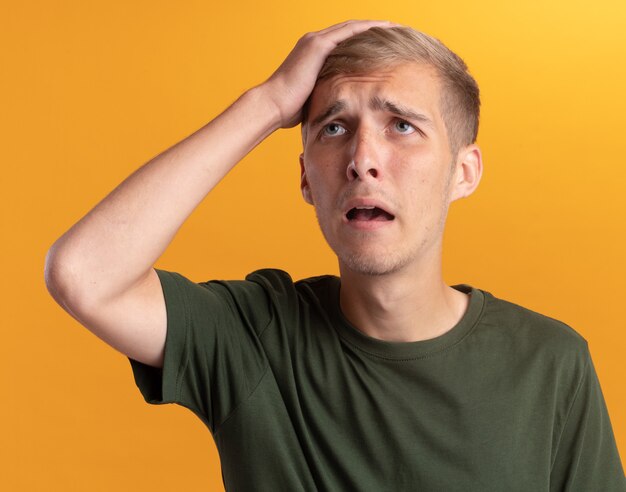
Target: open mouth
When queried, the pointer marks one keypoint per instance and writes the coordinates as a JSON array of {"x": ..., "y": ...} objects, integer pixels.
[{"x": 368, "y": 214}]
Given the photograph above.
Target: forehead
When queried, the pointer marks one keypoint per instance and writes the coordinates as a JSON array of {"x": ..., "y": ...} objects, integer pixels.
[{"x": 413, "y": 85}]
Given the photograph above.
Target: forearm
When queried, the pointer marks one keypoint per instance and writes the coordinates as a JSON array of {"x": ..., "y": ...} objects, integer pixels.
[{"x": 116, "y": 244}]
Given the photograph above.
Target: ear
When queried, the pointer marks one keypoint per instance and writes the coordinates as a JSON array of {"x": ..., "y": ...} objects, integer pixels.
[
  {"x": 304, "y": 184},
  {"x": 466, "y": 173}
]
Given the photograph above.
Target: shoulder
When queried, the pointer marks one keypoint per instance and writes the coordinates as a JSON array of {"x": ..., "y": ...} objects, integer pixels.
[
  {"x": 281, "y": 288},
  {"x": 534, "y": 334},
  {"x": 280, "y": 282},
  {"x": 296, "y": 306}
]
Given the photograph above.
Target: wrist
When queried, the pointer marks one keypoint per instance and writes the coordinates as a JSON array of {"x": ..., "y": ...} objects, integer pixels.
[{"x": 264, "y": 97}]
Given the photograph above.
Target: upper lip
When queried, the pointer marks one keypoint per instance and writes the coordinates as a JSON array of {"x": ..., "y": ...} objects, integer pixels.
[{"x": 366, "y": 202}]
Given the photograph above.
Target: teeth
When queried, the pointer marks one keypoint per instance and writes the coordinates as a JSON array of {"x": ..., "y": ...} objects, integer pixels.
[{"x": 365, "y": 208}]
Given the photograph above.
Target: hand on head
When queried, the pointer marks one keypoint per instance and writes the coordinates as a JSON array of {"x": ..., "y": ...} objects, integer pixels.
[{"x": 291, "y": 84}]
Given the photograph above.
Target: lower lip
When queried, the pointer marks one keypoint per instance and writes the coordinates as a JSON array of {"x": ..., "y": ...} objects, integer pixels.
[{"x": 367, "y": 225}]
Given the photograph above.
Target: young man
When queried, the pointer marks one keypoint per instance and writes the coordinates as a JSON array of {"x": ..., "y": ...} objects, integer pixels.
[{"x": 384, "y": 378}]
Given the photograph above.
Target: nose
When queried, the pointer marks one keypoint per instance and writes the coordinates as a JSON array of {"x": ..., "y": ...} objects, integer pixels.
[{"x": 365, "y": 163}]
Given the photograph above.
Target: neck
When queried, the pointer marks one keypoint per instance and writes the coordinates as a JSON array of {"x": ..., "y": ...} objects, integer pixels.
[{"x": 409, "y": 305}]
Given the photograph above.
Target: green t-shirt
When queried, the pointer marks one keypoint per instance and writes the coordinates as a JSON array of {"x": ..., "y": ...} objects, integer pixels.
[{"x": 298, "y": 399}]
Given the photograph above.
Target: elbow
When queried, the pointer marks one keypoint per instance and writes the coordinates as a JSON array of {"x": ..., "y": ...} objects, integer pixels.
[{"x": 57, "y": 276}]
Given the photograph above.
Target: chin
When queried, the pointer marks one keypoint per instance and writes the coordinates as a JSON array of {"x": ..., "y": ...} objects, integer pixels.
[
  {"x": 364, "y": 257},
  {"x": 373, "y": 265}
]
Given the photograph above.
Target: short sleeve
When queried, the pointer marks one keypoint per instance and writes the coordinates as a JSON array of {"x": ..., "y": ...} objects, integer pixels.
[
  {"x": 587, "y": 458},
  {"x": 213, "y": 355}
]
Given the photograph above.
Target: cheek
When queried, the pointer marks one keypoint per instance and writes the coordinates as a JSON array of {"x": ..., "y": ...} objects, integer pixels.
[
  {"x": 428, "y": 173},
  {"x": 423, "y": 184},
  {"x": 323, "y": 171},
  {"x": 320, "y": 185}
]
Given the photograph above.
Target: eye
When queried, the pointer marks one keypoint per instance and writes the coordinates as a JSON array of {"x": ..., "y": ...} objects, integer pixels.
[
  {"x": 333, "y": 129},
  {"x": 404, "y": 127}
]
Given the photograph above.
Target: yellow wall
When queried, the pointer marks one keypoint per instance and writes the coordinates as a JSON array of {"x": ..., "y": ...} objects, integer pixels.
[{"x": 91, "y": 90}]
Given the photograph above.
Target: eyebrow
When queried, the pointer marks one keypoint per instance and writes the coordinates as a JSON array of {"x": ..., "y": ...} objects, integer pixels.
[
  {"x": 385, "y": 105},
  {"x": 330, "y": 110},
  {"x": 377, "y": 104}
]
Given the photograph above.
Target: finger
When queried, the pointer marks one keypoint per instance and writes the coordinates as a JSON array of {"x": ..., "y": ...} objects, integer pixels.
[
  {"x": 351, "y": 28},
  {"x": 364, "y": 24}
]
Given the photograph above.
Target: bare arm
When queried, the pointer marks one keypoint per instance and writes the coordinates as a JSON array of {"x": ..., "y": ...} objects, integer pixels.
[
  {"x": 114, "y": 246},
  {"x": 101, "y": 269}
]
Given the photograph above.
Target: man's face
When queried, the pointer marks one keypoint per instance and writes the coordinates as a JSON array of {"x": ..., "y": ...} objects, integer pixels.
[{"x": 379, "y": 140}]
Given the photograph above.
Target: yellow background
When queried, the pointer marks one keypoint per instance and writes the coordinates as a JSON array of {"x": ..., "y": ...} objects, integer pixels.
[{"x": 93, "y": 89}]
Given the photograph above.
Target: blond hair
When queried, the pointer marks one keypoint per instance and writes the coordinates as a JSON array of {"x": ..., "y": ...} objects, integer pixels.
[{"x": 381, "y": 47}]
